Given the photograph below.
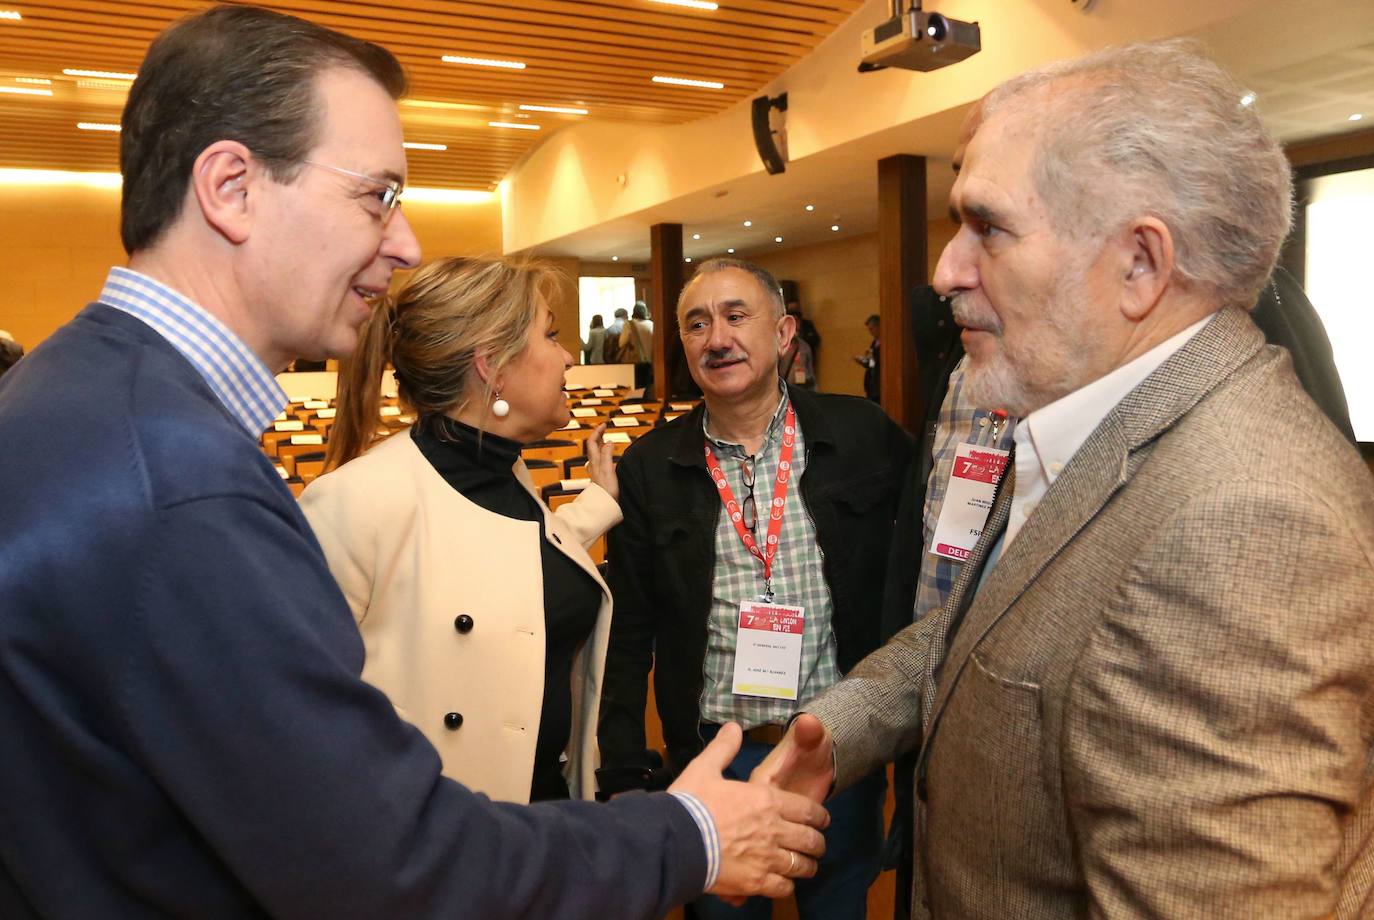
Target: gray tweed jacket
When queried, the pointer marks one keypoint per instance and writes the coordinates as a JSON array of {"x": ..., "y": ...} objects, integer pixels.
[{"x": 1161, "y": 704}]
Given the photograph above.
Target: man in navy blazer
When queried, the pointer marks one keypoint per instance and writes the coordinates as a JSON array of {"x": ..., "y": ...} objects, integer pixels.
[{"x": 186, "y": 732}]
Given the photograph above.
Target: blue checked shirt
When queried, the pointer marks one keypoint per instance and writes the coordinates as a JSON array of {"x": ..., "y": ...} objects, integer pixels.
[
  {"x": 738, "y": 577},
  {"x": 236, "y": 375},
  {"x": 959, "y": 421}
]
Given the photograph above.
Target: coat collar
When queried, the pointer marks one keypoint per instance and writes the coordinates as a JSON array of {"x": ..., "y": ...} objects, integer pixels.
[
  {"x": 687, "y": 447},
  {"x": 1105, "y": 463}
]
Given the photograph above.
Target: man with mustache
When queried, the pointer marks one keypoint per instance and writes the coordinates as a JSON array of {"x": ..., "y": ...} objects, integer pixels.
[
  {"x": 1151, "y": 692},
  {"x": 749, "y": 568}
]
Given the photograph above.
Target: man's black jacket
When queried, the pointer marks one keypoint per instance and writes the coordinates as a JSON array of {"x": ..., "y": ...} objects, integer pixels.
[{"x": 662, "y": 558}]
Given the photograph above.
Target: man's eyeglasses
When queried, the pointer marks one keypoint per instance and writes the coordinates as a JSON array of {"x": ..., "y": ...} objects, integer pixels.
[
  {"x": 747, "y": 507},
  {"x": 388, "y": 190}
]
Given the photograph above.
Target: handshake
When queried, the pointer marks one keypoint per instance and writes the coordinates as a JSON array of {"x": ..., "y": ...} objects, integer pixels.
[{"x": 770, "y": 827}]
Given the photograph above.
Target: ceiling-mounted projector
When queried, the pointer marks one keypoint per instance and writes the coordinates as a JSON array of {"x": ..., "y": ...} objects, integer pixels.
[{"x": 917, "y": 40}]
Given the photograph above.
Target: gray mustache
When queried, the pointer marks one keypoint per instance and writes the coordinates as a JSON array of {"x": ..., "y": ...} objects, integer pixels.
[
  {"x": 725, "y": 354},
  {"x": 965, "y": 315}
]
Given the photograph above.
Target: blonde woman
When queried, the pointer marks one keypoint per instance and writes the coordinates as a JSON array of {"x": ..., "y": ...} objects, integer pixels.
[{"x": 484, "y": 619}]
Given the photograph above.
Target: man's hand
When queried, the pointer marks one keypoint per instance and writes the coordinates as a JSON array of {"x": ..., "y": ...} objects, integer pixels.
[
  {"x": 803, "y": 762},
  {"x": 767, "y": 836}
]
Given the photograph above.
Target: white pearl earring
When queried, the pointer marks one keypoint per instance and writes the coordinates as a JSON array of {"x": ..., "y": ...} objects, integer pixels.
[{"x": 500, "y": 408}]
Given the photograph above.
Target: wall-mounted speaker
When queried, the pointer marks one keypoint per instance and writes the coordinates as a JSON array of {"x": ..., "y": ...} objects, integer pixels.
[{"x": 773, "y": 155}]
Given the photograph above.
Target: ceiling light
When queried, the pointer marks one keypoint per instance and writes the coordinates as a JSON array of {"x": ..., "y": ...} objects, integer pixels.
[
  {"x": 1248, "y": 99},
  {"x": 834, "y": 226},
  {"x": 58, "y": 177},
  {"x": 121, "y": 85},
  {"x": 694, "y": 4},
  {"x": 101, "y": 74},
  {"x": 748, "y": 223},
  {"x": 418, "y": 146},
  {"x": 696, "y": 236},
  {"x": 777, "y": 239},
  {"x": 96, "y": 126},
  {"x": 433, "y": 104},
  {"x": 683, "y": 81},
  {"x": 810, "y": 207},
  {"x": 36, "y": 81},
  {"x": 689, "y": 258},
  {"x": 512, "y": 124},
  {"x": 731, "y": 251},
  {"x": 482, "y": 62},
  {"x": 556, "y": 109},
  {"x": 447, "y": 195},
  {"x": 615, "y": 258},
  {"x": 12, "y": 15},
  {"x": 1356, "y": 117},
  {"x": 25, "y": 91}
]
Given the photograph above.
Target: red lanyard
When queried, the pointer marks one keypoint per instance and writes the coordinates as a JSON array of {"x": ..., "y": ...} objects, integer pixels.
[{"x": 732, "y": 507}]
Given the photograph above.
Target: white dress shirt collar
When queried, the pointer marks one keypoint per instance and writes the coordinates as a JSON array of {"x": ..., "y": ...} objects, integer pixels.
[{"x": 1047, "y": 439}]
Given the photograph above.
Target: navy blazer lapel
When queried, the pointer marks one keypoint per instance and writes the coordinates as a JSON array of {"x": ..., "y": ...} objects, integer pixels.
[{"x": 1100, "y": 468}]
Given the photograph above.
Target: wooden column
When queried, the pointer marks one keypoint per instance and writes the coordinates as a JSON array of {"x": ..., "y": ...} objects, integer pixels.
[
  {"x": 902, "y": 248},
  {"x": 665, "y": 272}
]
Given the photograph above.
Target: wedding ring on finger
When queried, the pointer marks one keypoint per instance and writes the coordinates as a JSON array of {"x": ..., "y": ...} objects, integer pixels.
[{"x": 791, "y": 863}]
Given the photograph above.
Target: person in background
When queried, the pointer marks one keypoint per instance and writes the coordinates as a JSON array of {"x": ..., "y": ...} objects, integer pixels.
[
  {"x": 485, "y": 621},
  {"x": 797, "y": 365},
  {"x": 806, "y": 330},
  {"x": 186, "y": 729},
  {"x": 10, "y": 351},
  {"x": 594, "y": 344},
  {"x": 871, "y": 360},
  {"x": 812, "y": 477},
  {"x": 637, "y": 347},
  {"x": 612, "y": 340}
]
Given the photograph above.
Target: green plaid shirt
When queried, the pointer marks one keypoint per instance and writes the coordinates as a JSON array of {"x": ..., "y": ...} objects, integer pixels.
[{"x": 738, "y": 577}]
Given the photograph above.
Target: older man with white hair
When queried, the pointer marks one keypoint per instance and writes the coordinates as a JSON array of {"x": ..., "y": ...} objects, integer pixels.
[{"x": 1151, "y": 693}]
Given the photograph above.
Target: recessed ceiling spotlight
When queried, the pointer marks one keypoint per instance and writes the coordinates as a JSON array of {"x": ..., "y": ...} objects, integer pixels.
[
  {"x": 683, "y": 81},
  {"x": 689, "y": 258},
  {"x": 748, "y": 223},
  {"x": 731, "y": 250},
  {"x": 556, "y": 109},
  {"x": 482, "y": 62},
  {"x": 99, "y": 74},
  {"x": 1248, "y": 99},
  {"x": 410, "y": 145},
  {"x": 694, "y": 4},
  {"x": 834, "y": 226},
  {"x": 615, "y": 258},
  {"x": 1356, "y": 117},
  {"x": 696, "y": 236},
  {"x": 777, "y": 239},
  {"x": 96, "y": 126},
  {"x": 25, "y": 91},
  {"x": 810, "y": 207},
  {"x": 512, "y": 124}
]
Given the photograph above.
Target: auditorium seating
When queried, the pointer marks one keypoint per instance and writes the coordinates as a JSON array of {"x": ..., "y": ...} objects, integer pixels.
[{"x": 297, "y": 439}]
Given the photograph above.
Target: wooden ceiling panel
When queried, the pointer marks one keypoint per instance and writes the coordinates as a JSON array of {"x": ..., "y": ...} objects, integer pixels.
[{"x": 593, "y": 54}]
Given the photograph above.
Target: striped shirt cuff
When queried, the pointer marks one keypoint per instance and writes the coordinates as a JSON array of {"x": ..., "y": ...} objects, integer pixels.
[{"x": 710, "y": 837}]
